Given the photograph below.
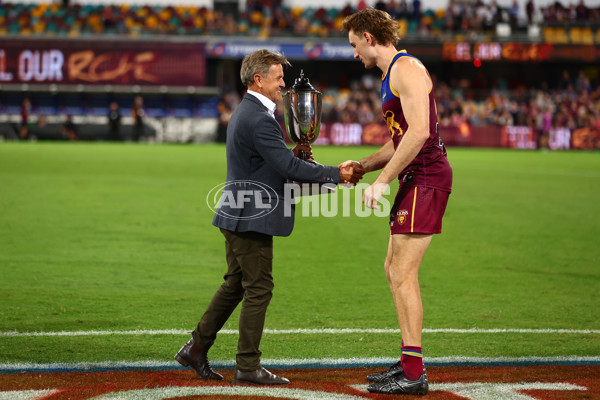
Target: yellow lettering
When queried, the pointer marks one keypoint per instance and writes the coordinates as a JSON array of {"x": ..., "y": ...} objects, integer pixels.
[
  {"x": 86, "y": 66},
  {"x": 139, "y": 69},
  {"x": 77, "y": 63}
]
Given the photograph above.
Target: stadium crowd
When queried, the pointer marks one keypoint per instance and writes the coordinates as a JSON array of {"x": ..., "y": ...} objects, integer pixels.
[
  {"x": 268, "y": 18},
  {"x": 572, "y": 103}
]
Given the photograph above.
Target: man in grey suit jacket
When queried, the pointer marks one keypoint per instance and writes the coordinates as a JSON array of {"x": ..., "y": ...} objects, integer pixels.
[{"x": 254, "y": 207}]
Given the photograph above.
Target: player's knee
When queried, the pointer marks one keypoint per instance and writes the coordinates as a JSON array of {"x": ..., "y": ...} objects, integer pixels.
[
  {"x": 387, "y": 266},
  {"x": 398, "y": 279}
]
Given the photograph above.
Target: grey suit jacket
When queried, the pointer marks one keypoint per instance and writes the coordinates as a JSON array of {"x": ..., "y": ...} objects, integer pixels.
[{"x": 259, "y": 164}]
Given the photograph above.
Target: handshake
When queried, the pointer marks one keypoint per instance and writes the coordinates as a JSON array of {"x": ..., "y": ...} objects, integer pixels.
[{"x": 350, "y": 171}]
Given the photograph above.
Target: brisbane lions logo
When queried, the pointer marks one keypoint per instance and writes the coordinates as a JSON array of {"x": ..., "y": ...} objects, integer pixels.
[
  {"x": 392, "y": 124},
  {"x": 401, "y": 216}
]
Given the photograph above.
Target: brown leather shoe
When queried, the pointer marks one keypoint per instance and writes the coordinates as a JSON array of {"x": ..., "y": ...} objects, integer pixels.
[
  {"x": 191, "y": 355},
  {"x": 259, "y": 377}
]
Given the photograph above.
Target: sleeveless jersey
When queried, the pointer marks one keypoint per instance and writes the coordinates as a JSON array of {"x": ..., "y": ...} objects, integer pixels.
[{"x": 430, "y": 168}]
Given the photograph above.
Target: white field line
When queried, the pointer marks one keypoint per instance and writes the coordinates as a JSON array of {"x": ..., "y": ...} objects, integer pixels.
[
  {"x": 13, "y": 367},
  {"x": 298, "y": 331}
]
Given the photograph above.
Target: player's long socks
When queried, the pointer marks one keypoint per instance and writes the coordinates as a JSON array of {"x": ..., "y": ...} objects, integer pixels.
[{"x": 412, "y": 362}]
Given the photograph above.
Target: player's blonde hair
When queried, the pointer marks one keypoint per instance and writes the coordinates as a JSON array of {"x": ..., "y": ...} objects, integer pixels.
[
  {"x": 378, "y": 23},
  {"x": 259, "y": 62}
]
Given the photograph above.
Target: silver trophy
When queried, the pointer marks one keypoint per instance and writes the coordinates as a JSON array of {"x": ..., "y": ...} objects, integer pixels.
[{"x": 302, "y": 106}]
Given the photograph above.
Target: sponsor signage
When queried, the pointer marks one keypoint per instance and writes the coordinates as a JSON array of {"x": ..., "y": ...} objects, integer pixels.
[
  {"x": 309, "y": 50},
  {"x": 519, "y": 137},
  {"x": 518, "y": 52},
  {"x": 305, "y": 50},
  {"x": 102, "y": 63},
  {"x": 494, "y": 51},
  {"x": 455, "y": 51}
]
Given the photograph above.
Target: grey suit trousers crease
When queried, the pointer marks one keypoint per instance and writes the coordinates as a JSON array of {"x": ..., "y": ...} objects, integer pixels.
[{"x": 249, "y": 278}]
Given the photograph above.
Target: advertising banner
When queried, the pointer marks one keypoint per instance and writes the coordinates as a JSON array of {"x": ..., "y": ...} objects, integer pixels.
[
  {"x": 303, "y": 51},
  {"x": 560, "y": 139},
  {"x": 309, "y": 50},
  {"x": 91, "y": 62},
  {"x": 519, "y": 137},
  {"x": 585, "y": 139},
  {"x": 518, "y": 52}
]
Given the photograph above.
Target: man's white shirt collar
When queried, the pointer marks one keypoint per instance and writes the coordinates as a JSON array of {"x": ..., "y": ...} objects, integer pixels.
[{"x": 265, "y": 101}]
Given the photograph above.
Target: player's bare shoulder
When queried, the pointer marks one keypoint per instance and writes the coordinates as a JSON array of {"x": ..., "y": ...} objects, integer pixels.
[{"x": 409, "y": 73}]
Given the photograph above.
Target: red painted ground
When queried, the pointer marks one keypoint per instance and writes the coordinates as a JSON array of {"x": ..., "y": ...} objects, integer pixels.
[{"x": 78, "y": 386}]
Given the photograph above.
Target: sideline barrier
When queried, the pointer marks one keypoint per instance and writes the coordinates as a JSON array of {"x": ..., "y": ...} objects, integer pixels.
[
  {"x": 202, "y": 130},
  {"x": 514, "y": 137}
]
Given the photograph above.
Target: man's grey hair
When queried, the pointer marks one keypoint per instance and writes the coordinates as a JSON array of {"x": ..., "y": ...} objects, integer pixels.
[{"x": 259, "y": 62}]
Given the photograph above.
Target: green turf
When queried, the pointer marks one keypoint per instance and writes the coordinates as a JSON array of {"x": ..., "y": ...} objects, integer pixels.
[{"x": 118, "y": 237}]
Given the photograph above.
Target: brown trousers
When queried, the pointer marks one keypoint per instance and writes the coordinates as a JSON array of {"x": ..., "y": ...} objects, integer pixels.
[{"x": 249, "y": 278}]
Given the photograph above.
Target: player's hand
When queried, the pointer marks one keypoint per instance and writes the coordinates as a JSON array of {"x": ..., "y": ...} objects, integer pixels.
[
  {"x": 351, "y": 163},
  {"x": 351, "y": 172},
  {"x": 373, "y": 193}
]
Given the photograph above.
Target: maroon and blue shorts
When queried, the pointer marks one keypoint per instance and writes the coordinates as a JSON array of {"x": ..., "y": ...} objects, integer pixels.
[{"x": 418, "y": 209}]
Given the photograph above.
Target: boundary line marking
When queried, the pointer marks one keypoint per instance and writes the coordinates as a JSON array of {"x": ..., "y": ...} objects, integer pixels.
[
  {"x": 299, "y": 363},
  {"x": 296, "y": 331}
]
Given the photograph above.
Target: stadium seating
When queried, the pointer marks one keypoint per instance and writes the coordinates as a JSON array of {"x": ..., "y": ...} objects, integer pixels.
[{"x": 87, "y": 19}]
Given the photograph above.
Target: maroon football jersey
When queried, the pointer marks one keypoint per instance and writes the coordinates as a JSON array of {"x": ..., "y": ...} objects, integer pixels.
[{"x": 430, "y": 168}]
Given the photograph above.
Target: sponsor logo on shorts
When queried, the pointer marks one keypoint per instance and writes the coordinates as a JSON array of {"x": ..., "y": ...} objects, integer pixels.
[{"x": 401, "y": 216}]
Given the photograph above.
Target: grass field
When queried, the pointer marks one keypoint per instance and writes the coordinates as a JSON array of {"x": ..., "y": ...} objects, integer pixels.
[{"x": 119, "y": 237}]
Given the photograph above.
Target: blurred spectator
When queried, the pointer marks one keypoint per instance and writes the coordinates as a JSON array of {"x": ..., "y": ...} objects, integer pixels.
[
  {"x": 565, "y": 80},
  {"x": 416, "y": 10},
  {"x": 530, "y": 10},
  {"x": 582, "y": 13},
  {"x": 114, "y": 122},
  {"x": 25, "y": 113},
  {"x": 42, "y": 121},
  {"x": 69, "y": 129},
  {"x": 513, "y": 13},
  {"x": 380, "y": 5},
  {"x": 138, "y": 114},
  {"x": 108, "y": 18},
  {"x": 582, "y": 84},
  {"x": 224, "y": 115}
]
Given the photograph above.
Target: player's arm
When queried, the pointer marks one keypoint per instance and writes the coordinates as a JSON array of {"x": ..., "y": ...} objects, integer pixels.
[
  {"x": 379, "y": 159},
  {"x": 375, "y": 161},
  {"x": 410, "y": 79}
]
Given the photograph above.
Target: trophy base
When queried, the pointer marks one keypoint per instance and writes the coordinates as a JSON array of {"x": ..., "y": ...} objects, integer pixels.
[{"x": 312, "y": 189}]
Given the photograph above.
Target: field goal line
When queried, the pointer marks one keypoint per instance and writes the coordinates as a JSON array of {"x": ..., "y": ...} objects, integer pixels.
[{"x": 297, "y": 331}]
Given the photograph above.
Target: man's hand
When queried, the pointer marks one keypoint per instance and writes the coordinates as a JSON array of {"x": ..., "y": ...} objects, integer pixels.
[
  {"x": 351, "y": 172},
  {"x": 351, "y": 163},
  {"x": 303, "y": 151},
  {"x": 373, "y": 193}
]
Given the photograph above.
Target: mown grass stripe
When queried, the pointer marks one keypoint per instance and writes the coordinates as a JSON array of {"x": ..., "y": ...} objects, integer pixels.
[
  {"x": 318, "y": 363},
  {"x": 298, "y": 331}
]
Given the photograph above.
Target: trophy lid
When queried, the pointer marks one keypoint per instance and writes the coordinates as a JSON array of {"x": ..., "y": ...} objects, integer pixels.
[{"x": 302, "y": 84}]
